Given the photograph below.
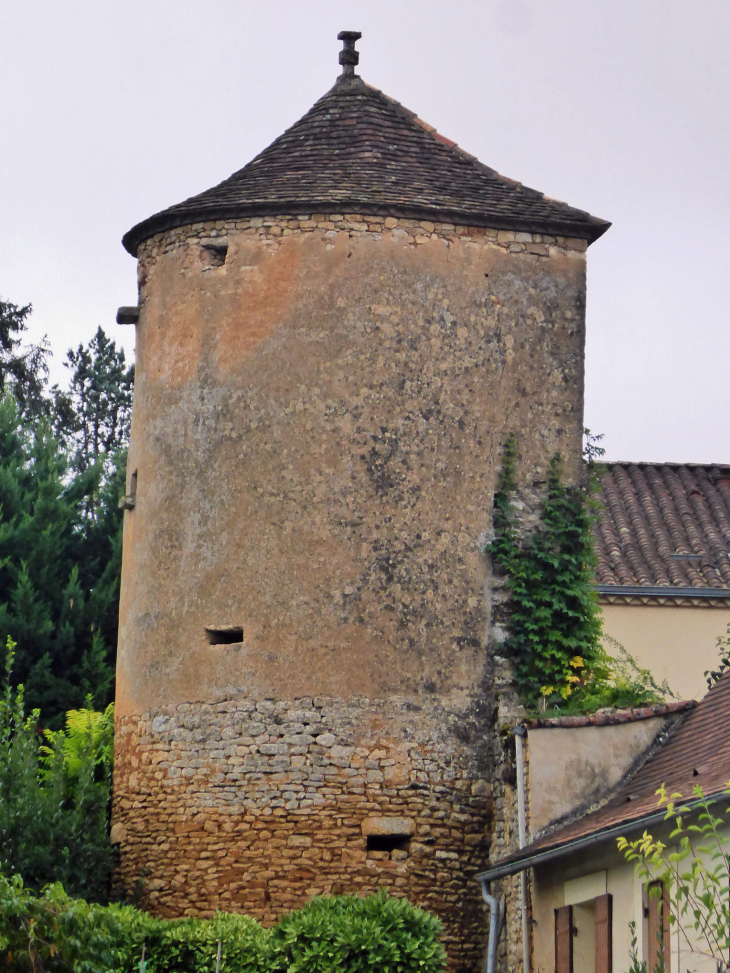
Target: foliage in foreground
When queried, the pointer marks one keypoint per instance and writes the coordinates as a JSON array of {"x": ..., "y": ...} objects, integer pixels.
[
  {"x": 353, "y": 935},
  {"x": 54, "y": 933},
  {"x": 54, "y": 796},
  {"x": 694, "y": 867}
]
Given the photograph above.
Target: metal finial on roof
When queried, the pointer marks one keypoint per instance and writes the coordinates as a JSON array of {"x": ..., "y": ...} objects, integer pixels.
[{"x": 349, "y": 57}]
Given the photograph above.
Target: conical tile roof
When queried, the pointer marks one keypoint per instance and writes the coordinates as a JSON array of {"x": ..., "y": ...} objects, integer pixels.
[{"x": 358, "y": 151}]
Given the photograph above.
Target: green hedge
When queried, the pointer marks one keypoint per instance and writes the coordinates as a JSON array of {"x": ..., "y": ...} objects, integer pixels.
[{"x": 54, "y": 933}]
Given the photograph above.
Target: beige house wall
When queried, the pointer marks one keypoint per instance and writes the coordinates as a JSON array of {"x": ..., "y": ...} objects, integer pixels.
[
  {"x": 675, "y": 643},
  {"x": 604, "y": 869},
  {"x": 572, "y": 767}
]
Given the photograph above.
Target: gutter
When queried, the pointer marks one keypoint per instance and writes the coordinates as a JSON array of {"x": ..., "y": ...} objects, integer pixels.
[
  {"x": 661, "y": 591},
  {"x": 588, "y": 841}
]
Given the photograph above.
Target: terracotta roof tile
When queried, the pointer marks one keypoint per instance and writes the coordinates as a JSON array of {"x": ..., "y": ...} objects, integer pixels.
[
  {"x": 664, "y": 525},
  {"x": 358, "y": 151}
]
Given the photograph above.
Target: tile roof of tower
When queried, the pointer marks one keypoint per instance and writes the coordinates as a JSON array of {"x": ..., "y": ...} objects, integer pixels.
[
  {"x": 358, "y": 151},
  {"x": 664, "y": 526}
]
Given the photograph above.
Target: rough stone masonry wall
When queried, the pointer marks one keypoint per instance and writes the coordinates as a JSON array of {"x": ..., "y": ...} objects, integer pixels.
[
  {"x": 411, "y": 233},
  {"x": 505, "y": 829},
  {"x": 256, "y": 806}
]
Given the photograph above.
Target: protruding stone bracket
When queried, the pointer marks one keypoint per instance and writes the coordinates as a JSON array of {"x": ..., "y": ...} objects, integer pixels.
[
  {"x": 129, "y": 314},
  {"x": 349, "y": 57}
]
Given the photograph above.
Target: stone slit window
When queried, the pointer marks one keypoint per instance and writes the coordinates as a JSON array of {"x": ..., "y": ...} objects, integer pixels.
[{"x": 224, "y": 634}]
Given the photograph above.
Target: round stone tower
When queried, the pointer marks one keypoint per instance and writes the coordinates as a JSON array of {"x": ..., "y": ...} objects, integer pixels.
[{"x": 331, "y": 346}]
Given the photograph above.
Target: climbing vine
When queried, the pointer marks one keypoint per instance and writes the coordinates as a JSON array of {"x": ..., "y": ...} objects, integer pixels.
[
  {"x": 554, "y": 621},
  {"x": 555, "y": 638}
]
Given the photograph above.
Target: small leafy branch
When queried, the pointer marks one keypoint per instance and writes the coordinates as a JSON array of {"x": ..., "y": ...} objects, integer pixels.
[
  {"x": 694, "y": 867},
  {"x": 723, "y": 649},
  {"x": 555, "y": 625}
]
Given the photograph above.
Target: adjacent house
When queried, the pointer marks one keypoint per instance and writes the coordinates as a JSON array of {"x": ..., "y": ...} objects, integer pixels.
[
  {"x": 663, "y": 545},
  {"x": 592, "y": 779}
]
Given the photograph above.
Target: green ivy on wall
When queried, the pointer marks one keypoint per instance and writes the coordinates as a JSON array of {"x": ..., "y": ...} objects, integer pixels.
[
  {"x": 555, "y": 624},
  {"x": 555, "y": 621}
]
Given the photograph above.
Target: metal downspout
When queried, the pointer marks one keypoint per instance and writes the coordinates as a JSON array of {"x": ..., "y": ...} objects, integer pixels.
[
  {"x": 494, "y": 924},
  {"x": 519, "y": 732}
]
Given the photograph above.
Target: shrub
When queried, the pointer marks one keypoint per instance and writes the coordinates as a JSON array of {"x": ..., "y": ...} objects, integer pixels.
[
  {"x": 53, "y": 933},
  {"x": 353, "y": 935},
  {"x": 191, "y": 945}
]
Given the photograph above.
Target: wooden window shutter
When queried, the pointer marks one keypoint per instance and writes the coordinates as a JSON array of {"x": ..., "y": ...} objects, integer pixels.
[
  {"x": 603, "y": 933},
  {"x": 564, "y": 939},
  {"x": 658, "y": 944}
]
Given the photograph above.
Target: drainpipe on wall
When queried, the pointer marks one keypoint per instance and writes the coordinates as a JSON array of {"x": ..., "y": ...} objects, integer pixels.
[
  {"x": 495, "y": 927},
  {"x": 520, "y": 732}
]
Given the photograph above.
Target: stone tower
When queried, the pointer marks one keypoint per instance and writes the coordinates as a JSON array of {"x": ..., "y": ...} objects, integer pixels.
[{"x": 331, "y": 345}]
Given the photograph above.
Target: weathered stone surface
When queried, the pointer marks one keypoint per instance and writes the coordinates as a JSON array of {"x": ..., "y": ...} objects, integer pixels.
[
  {"x": 316, "y": 435},
  {"x": 301, "y": 832}
]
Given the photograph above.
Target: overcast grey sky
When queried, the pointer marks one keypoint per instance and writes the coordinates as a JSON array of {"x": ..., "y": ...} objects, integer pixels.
[{"x": 114, "y": 109}]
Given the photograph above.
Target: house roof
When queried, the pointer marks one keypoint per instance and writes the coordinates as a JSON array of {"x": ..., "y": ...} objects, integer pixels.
[
  {"x": 664, "y": 531},
  {"x": 359, "y": 151},
  {"x": 697, "y": 752}
]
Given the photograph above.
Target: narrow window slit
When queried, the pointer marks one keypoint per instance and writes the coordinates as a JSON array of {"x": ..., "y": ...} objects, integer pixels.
[{"x": 224, "y": 635}]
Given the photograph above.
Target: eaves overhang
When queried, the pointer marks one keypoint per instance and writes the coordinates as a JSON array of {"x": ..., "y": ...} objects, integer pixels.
[
  {"x": 541, "y": 856},
  {"x": 162, "y": 222}
]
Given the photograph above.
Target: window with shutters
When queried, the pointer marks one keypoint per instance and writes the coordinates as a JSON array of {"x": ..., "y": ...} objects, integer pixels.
[
  {"x": 583, "y": 937},
  {"x": 564, "y": 939},
  {"x": 657, "y": 953}
]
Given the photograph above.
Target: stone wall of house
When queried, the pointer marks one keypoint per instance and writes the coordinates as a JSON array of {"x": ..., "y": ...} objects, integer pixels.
[{"x": 259, "y": 805}]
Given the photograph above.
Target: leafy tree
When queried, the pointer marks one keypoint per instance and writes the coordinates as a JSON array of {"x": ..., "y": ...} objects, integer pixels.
[
  {"x": 723, "y": 649},
  {"x": 23, "y": 367},
  {"x": 553, "y": 617},
  {"x": 54, "y": 798},
  {"x": 59, "y": 568},
  {"x": 93, "y": 417}
]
